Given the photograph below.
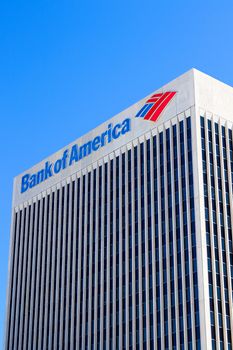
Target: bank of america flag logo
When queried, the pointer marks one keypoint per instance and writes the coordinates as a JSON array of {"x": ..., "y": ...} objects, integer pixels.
[{"x": 155, "y": 105}]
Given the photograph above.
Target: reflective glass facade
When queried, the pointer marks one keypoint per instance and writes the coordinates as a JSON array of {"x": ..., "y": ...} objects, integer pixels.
[
  {"x": 108, "y": 260},
  {"x": 217, "y": 160}
]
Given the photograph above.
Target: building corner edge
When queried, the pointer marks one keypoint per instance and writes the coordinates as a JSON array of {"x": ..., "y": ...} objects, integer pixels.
[{"x": 202, "y": 266}]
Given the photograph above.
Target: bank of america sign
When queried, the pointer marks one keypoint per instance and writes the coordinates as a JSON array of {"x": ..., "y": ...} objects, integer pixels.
[
  {"x": 155, "y": 106},
  {"x": 152, "y": 109}
]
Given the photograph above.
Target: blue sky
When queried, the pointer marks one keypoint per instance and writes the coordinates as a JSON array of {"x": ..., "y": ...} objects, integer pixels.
[{"x": 67, "y": 66}]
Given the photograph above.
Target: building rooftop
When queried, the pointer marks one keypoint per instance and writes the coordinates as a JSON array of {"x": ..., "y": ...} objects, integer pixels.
[{"x": 194, "y": 90}]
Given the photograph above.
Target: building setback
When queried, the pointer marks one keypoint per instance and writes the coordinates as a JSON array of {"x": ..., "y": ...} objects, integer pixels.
[{"x": 123, "y": 239}]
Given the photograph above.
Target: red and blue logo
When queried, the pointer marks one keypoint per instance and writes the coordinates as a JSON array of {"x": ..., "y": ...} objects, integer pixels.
[{"x": 155, "y": 106}]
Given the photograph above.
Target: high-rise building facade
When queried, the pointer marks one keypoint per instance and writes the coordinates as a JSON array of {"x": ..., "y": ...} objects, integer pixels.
[{"x": 123, "y": 239}]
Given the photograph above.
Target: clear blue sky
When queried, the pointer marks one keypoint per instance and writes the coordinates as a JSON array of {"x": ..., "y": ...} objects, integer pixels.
[{"x": 67, "y": 66}]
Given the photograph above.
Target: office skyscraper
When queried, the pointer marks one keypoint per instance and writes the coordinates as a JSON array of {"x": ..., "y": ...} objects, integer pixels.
[{"x": 123, "y": 239}]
